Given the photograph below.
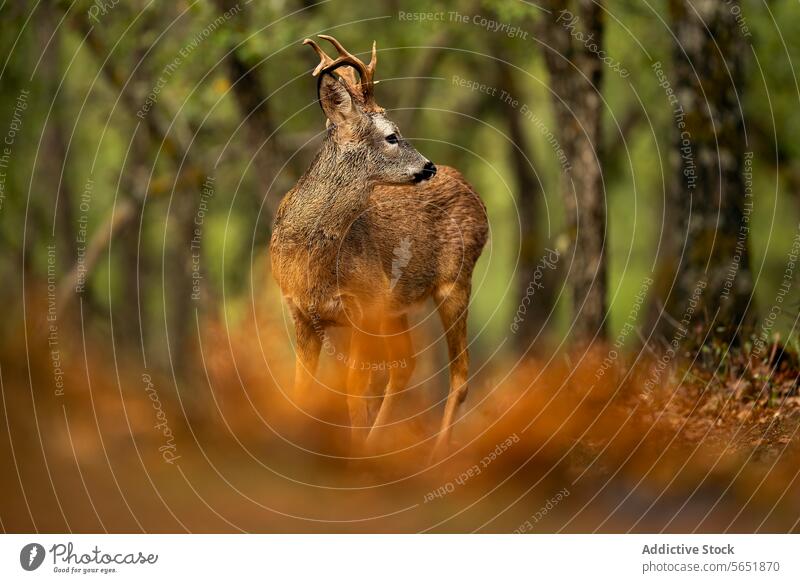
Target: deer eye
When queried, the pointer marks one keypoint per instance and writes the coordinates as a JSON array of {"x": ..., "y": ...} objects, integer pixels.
[{"x": 392, "y": 138}]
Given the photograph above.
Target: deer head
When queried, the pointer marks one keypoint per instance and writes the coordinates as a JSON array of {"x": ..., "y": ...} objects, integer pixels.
[{"x": 358, "y": 129}]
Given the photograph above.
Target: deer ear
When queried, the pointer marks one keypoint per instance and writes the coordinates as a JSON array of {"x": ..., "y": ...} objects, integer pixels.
[{"x": 336, "y": 101}]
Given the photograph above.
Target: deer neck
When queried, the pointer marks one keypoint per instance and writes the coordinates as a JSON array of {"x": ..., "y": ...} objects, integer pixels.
[{"x": 331, "y": 194}]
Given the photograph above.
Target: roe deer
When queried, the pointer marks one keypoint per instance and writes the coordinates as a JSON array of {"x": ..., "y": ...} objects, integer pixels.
[{"x": 334, "y": 245}]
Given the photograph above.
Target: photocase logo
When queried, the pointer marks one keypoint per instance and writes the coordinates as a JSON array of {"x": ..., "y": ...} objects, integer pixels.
[{"x": 31, "y": 556}]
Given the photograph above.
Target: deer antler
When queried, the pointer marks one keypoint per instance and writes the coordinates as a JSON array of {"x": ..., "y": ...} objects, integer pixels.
[
  {"x": 325, "y": 61},
  {"x": 364, "y": 89}
]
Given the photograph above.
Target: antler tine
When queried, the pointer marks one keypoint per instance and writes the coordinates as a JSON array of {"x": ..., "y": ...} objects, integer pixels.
[
  {"x": 365, "y": 72},
  {"x": 374, "y": 60},
  {"x": 326, "y": 61},
  {"x": 337, "y": 45}
]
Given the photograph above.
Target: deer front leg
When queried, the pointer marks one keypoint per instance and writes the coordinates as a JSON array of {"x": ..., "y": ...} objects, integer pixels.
[
  {"x": 360, "y": 359},
  {"x": 308, "y": 348},
  {"x": 452, "y": 307}
]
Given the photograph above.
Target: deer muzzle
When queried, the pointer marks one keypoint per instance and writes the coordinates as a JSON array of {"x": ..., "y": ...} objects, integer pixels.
[{"x": 428, "y": 171}]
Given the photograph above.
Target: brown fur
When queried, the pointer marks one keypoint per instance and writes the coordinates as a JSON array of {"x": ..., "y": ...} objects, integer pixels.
[{"x": 351, "y": 255}]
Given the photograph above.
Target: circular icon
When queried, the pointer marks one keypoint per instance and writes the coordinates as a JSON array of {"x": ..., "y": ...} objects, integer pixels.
[{"x": 31, "y": 556}]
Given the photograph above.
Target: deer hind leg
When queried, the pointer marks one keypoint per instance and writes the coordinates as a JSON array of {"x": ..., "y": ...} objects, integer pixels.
[
  {"x": 452, "y": 303},
  {"x": 400, "y": 363}
]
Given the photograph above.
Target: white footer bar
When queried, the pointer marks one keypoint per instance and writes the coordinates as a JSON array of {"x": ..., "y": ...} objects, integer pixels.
[{"x": 400, "y": 558}]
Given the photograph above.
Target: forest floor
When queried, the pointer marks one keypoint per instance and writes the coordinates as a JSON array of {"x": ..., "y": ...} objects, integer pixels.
[
  {"x": 754, "y": 405},
  {"x": 552, "y": 448}
]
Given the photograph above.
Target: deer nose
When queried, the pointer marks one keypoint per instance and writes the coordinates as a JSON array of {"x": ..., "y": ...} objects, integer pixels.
[{"x": 428, "y": 172}]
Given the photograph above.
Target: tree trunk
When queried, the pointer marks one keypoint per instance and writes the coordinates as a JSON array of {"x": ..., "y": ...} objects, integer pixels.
[
  {"x": 710, "y": 275},
  {"x": 532, "y": 241},
  {"x": 178, "y": 283},
  {"x": 576, "y": 74},
  {"x": 251, "y": 96}
]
